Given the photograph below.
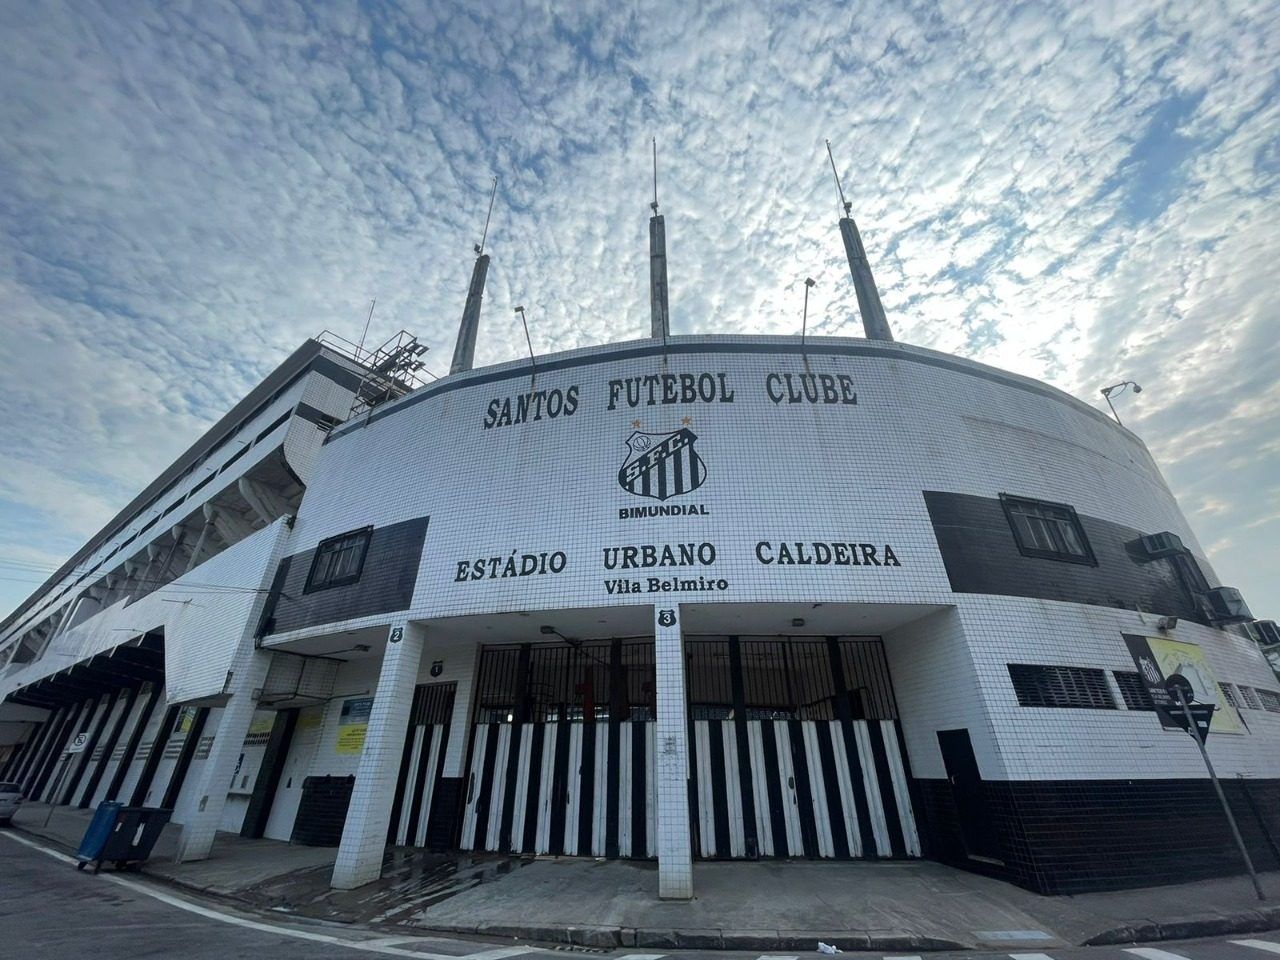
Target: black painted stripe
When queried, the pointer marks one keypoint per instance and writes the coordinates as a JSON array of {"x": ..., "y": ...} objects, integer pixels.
[
  {"x": 831, "y": 788},
  {"x": 48, "y": 750},
  {"x": 485, "y": 797},
  {"x": 913, "y": 794},
  {"x": 773, "y": 785},
  {"x": 36, "y": 745},
  {"x": 414, "y": 799},
  {"x": 86, "y": 755},
  {"x": 587, "y": 789},
  {"x": 55, "y": 750},
  {"x": 804, "y": 794},
  {"x": 695, "y": 775},
  {"x": 397, "y": 805},
  {"x": 639, "y": 791},
  {"x": 178, "y": 775},
  {"x": 509, "y": 798},
  {"x": 533, "y": 789},
  {"x": 108, "y": 748},
  {"x": 131, "y": 749},
  {"x": 559, "y": 790},
  {"x": 613, "y": 788},
  {"x": 887, "y": 793},
  {"x": 15, "y": 758},
  {"x": 862, "y": 806},
  {"x": 719, "y": 789}
]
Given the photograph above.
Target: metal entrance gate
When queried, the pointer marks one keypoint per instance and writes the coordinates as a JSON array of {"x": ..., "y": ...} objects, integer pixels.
[
  {"x": 548, "y": 788},
  {"x": 801, "y": 788},
  {"x": 562, "y": 752},
  {"x": 794, "y": 750},
  {"x": 421, "y": 764}
]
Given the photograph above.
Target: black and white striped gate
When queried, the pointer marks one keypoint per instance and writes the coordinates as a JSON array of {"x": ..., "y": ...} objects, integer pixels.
[
  {"x": 421, "y": 764},
  {"x": 561, "y": 787},
  {"x": 801, "y": 788}
]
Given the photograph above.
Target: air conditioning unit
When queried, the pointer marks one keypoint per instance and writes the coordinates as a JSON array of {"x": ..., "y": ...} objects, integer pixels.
[
  {"x": 1226, "y": 605},
  {"x": 1267, "y": 632},
  {"x": 1157, "y": 545}
]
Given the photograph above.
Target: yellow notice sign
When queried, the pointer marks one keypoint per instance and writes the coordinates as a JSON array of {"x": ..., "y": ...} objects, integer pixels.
[
  {"x": 1178, "y": 656},
  {"x": 353, "y": 724}
]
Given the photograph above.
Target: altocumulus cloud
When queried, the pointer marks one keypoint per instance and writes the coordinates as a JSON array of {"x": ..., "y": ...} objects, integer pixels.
[{"x": 1078, "y": 192}]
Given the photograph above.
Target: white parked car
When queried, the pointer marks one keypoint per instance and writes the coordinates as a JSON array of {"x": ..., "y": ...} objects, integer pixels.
[{"x": 10, "y": 800}]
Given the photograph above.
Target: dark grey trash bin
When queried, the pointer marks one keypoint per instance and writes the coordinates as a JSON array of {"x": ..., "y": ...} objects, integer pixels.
[{"x": 136, "y": 831}]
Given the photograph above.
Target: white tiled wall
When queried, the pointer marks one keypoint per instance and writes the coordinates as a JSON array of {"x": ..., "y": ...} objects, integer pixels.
[{"x": 783, "y": 472}]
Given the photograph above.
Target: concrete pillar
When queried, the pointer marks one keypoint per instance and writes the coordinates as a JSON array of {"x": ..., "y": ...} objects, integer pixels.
[
  {"x": 248, "y": 673},
  {"x": 364, "y": 838},
  {"x": 675, "y": 850},
  {"x": 455, "y": 758}
]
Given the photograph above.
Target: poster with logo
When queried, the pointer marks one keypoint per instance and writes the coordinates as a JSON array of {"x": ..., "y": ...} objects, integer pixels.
[
  {"x": 353, "y": 724},
  {"x": 1159, "y": 658}
]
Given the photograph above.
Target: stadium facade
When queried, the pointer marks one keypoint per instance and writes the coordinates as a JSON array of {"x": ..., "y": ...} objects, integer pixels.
[{"x": 681, "y": 598}]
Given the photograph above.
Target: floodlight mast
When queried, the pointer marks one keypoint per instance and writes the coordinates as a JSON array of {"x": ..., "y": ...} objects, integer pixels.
[
  {"x": 464, "y": 350},
  {"x": 659, "y": 304},
  {"x": 874, "y": 323}
]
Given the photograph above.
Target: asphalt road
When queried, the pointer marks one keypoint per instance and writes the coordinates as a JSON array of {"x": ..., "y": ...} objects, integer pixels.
[{"x": 51, "y": 911}]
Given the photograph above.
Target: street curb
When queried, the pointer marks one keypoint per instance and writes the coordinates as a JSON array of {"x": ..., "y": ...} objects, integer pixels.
[
  {"x": 1215, "y": 925},
  {"x": 587, "y": 935}
]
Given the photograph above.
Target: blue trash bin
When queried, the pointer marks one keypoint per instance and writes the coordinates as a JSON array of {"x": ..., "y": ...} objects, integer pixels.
[{"x": 100, "y": 827}]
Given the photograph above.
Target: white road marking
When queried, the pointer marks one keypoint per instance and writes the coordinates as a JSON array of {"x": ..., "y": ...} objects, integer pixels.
[
  {"x": 909, "y": 956},
  {"x": 1030, "y": 956},
  {"x": 766, "y": 956},
  {"x": 1151, "y": 953},
  {"x": 368, "y": 946},
  {"x": 1266, "y": 945},
  {"x": 659, "y": 956}
]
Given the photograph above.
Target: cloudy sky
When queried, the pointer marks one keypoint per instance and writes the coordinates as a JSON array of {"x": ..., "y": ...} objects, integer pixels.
[{"x": 1083, "y": 192}]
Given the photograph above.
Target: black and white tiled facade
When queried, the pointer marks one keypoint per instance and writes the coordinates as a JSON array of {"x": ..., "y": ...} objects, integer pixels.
[{"x": 733, "y": 509}]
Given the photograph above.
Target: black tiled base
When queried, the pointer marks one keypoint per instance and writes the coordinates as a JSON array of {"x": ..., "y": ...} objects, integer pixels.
[{"x": 1059, "y": 837}]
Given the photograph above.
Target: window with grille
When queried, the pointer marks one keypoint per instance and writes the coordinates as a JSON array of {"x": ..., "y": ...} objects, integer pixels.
[
  {"x": 1051, "y": 686},
  {"x": 1229, "y": 694},
  {"x": 1048, "y": 530},
  {"x": 1270, "y": 700},
  {"x": 1250, "y": 697},
  {"x": 339, "y": 560},
  {"x": 1133, "y": 690}
]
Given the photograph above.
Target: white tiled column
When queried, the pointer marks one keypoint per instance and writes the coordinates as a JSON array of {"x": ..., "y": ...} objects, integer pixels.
[
  {"x": 675, "y": 851},
  {"x": 248, "y": 674},
  {"x": 364, "y": 838}
]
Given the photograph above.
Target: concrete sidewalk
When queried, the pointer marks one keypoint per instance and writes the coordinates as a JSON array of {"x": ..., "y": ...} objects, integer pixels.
[{"x": 769, "y": 905}]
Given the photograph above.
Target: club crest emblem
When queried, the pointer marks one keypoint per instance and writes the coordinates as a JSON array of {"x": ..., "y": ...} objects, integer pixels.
[{"x": 662, "y": 465}]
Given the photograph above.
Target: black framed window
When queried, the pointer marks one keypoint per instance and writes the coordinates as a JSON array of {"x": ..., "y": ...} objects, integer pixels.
[
  {"x": 1133, "y": 690},
  {"x": 1048, "y": 530},
  {"x": 1053, "y": 686},
  {"x": 339, "y": 560},
  {"x": 1269, "y": 699}
]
